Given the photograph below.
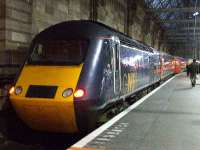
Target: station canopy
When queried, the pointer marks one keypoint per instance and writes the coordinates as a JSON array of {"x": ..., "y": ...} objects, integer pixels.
[{"x": 181, "y": 22}]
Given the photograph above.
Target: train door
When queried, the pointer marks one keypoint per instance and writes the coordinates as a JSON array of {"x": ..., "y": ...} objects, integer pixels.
[
  {"x": 108, "y": 79},
  {"x": 117, "y": 68},
  {"x": 151, "y": 71},
  {"x": 161, "y": 66},
  {"x": 111, "y": 83}
]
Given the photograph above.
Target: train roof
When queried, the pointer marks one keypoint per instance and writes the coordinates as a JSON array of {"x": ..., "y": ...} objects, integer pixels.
[{"x": 87, "y": 29}]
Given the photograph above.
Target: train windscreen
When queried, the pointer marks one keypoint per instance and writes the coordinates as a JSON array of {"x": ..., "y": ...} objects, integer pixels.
[{"x": 59, "y": 52}]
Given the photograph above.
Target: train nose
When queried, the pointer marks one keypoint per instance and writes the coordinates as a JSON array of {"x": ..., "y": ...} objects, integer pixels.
[{"x": 44, "y": 102}]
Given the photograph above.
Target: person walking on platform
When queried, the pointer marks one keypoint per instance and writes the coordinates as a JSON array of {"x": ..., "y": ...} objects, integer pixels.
[{"x": 193, "y": 67}]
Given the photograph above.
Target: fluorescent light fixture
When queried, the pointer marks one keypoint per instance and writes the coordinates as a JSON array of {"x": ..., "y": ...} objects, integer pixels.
[{"x": 196, "y": 13}]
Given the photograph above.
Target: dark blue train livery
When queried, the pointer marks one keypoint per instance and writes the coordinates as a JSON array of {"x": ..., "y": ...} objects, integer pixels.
[{"x": 77, "y": 70}]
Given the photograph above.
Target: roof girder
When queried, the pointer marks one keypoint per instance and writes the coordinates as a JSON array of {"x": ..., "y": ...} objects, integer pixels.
[{"x": 173, "y": 10}]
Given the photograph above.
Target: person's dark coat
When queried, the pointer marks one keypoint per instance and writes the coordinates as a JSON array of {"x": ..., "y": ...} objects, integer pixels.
[
  {"x": 193, "y": 68},
  {"x": 187, "y": 69}
]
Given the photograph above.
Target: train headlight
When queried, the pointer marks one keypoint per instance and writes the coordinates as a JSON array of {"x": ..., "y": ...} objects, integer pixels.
[
  {"x": 79, "y": 93},
  {"x": 67, "y": 92},
  {"x": 12, "y": 90},
  {"x": 18, "y": 90}
]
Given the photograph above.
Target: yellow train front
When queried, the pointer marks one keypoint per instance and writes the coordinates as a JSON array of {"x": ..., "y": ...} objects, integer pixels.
[{"x": 43, "y": 97}]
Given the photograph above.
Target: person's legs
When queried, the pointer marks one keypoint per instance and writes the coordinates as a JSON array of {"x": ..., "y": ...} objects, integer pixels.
[{"x": 192, "y": 81}]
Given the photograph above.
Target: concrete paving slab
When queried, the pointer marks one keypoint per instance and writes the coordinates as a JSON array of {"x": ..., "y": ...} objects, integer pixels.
[{"x": 169, "y": 119}]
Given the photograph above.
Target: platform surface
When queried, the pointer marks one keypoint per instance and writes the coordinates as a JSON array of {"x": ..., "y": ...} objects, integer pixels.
[{"x": 167, "y": 120}]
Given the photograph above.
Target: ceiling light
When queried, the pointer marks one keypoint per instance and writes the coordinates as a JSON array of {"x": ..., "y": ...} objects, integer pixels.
[{"x": 196, "y": 13}]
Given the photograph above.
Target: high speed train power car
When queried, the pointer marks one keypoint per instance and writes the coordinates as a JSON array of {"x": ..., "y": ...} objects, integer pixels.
[{"x": 78, "y": 69}]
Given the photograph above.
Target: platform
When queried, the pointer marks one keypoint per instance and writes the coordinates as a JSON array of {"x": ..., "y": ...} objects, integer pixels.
[{"x": 167, "y": 119}]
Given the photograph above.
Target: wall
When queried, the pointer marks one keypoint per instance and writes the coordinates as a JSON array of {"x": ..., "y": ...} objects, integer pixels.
[
  {"x": 2, "y": 24},
  {"x": 20, "y": 20},
  {"x": 49, "y": 12}
]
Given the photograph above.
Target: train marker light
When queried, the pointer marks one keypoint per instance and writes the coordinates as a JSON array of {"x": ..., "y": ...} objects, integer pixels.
[
  {"x": 79, "y": 93},
  {"x": 12, "y": 90},
  {"x": 67, "y": 92},
  {"x": 18, "y": 90}
]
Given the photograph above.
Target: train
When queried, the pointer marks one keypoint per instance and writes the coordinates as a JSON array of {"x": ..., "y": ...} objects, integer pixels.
[{"x": 76, "y": 70}]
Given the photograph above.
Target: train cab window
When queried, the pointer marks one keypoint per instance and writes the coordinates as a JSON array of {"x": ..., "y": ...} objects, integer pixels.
[{"x": 59, "y": 52}]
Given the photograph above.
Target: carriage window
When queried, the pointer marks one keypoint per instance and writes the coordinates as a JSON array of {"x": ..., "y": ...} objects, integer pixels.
[{"x": 64, "y": 52}]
